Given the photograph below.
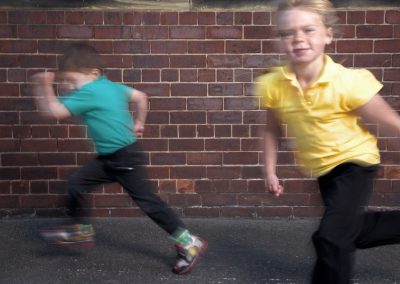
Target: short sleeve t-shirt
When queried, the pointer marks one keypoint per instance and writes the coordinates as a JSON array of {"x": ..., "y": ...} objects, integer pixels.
[
  {"x": 322, "y": 119},
  {"x": 104, "y": 107}
]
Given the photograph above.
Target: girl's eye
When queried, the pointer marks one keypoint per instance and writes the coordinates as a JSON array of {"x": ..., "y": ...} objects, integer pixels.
[{"x": 286, "y": 34}]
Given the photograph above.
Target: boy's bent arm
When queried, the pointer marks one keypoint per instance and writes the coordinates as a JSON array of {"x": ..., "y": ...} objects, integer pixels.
[
  {"x": 271, "y": 134},
  {"x": 378, "y": 111},
  {"x": 141, "y": 101},
  {"x": 44, "y": 87}
]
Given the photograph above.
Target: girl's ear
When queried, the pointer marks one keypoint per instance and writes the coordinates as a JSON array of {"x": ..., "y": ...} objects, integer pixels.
[
  {"x": 329, "y": 36},
  {"x": 95, "y": 72}
]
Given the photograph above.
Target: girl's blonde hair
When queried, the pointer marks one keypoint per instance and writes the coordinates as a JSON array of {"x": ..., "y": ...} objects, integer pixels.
[{"x": 324, "y": 8}]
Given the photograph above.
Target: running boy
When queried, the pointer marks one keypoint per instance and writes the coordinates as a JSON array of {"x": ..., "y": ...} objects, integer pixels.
[
  {"x": 321, "y": 102},
  {"x": 104, "y": 107}
]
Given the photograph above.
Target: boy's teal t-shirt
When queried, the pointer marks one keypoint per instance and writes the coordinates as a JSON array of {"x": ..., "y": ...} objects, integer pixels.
[{"x": 104, "y": 108}]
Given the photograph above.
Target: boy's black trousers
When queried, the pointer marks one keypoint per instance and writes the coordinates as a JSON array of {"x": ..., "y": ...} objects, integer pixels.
[
  {"x": 346, "y": 226},
  {"x": 127, "y": 167}
]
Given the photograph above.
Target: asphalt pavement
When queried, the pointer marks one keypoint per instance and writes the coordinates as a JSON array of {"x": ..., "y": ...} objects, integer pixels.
[{"x": 135, "y": 250}]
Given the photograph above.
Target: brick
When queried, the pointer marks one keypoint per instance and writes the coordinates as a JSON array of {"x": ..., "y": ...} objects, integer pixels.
[
  {"x": 38, "y": 173},
  {"x": 56, "y": 159},
  {"x": 223, "y": 131},
  {"x": 346, "y": 31},
  {"x": 151, "y": 75},
  {"x": 273, "y": 211},
  {"x": 188, "y": 90},
  {"x": 38, "y": 145},
  {"x": 213, "y": 199},
  {"x": 259, "y": 32},
  {"x": 240, "y": 103},
  {"x": 186, "y": 186},
  {"x": 224, "y": 18},
  {"x": 355, "y": 46},
  {"x": 168, "y": 158},
  {"x": 204, "y": 158},
  {"x": 20, "y": 187},
  {"x": 41, "y": 201},
  {"x": 243, "y": 18},
  {"x": 151, "y": 18},
  {"x": 232, "y": 117},
  {"x": 9, "y": 61},
  {"x": 224, "y": 61},
  {"x": 3, "y": 17},
  {"x": 18, "y": 17},
  {"x": 261, "y": 18},
  {"x": 374, "y": 31},
  {"x": 169, "y": 47},
  {"x": 74, "y": 17},
  {"x": 34, "y": 31},
  {"x": 9, "y": 201},
  {"x": 206, "y": 47},
  {"x": 150, "y": 61},
  {"x": 18, "y": 46},
  {"x": 16, "y": 75},
  {"x": 375, "y": 17},
  {"x": 131, "y": 76},
  {"x": 205, "y": 104},
  {"x": 184, "y": 200},
  {"x": 19, "y": 159},
  {"x": 234, "y": 212},
  {"x": 169, "y": 75},
  {"x": 16, "y": 104},
  {"x": 167, "y": 186},
  {"x": 39, "y": 187},
  {"x": 188, "y": 172},
  {"x": 186, "y": 131},
  {"x": 118, "y": 61},
  {"x": 393, "y": 17},
  {"x": 243, "y": 46},
  {"x": 169, "y": 18},
  {"x": 120, "y": 200},
  {"x": 154, "y": 144},
  {"x": 112, "y": 32},
  {"x": 113, "y": 18},
  {"x": 131, "y": 47},
  {"x": 10, "y": 173},
  {"x": 225, "y": 75},
  {"x": 221, "y": 32},
  {"x": 187, "y": 32},
  {"x": 94, "y": 17},
  {"x": 188, "y": 18},
  {"x": 187, "y": 61},
  {"x": 76, "y": 32},
  {"x": 206, "y": 75},
  {"x": 185, "y": 144},
  {"x": 201, "y": 212},
  {"x": 228, "y": 89},
  {"x": 158, "y": 118},
  {"x": 55, "y": 17},
  {"x": 372, "y": 60},
  {"x": 206, "y": 18},
  {"x": 356, "y": 17},
  {"x": 241, "y": 158},
  {"x": 260, "y": 61},
  {"x": 6, "y": 131},
  {"x": 58, "y": 187},
  {"x": 205, "y": 130},
  {"x": 387, "y": 46},
  {"x": 188, "y": 75},
  {"x": 222, "y": 144},
  {"x": 8, "y": 31},
  {"x": 392, "y": 74},
  {"x": 75, "y": 145}
]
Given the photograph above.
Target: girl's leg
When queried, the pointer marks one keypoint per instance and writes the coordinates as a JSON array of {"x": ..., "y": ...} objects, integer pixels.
[{"x": 345, "y": 192}]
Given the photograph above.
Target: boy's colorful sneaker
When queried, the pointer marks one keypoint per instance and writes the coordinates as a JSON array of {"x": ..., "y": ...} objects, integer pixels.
[
  {"x": 73, "y": 235},
  {"x": 188, "y": 255}
]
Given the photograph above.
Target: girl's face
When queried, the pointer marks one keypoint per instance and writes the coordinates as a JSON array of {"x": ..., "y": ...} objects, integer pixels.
[{"x": 303, "y": 35}]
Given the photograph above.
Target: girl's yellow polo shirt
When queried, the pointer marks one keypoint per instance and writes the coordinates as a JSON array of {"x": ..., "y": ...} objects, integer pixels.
[{"x": 322, "y": 118}]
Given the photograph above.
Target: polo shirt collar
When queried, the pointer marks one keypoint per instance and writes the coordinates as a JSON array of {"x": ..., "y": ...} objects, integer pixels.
[{"x": 328, "y": 71}]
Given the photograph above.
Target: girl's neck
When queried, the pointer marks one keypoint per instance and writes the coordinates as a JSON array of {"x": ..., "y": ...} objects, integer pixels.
[{"x": 308, "y": 73}]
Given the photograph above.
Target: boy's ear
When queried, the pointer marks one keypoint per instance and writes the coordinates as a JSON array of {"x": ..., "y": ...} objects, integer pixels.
[{"x": 95, "y": 72}]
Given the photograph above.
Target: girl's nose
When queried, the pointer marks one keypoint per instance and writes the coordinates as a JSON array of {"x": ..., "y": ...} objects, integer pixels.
[{"x": 298, "y": 36}]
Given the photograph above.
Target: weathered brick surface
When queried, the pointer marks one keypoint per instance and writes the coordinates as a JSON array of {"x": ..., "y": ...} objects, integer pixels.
[{"x": 202, "y": 140}]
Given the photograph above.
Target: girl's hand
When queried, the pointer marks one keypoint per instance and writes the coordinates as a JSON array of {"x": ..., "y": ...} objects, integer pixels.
[
  {"x": 139, "y": 128},
  {"x": 273, "y": 185}
]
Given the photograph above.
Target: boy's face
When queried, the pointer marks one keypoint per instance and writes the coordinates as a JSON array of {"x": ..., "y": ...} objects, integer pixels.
[
  {"x": 303, "y": 35},
  {"x": 75, "y": 80}
]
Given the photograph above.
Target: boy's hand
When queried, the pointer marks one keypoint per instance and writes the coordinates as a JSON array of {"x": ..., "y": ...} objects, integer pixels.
[
  {"x": 139, "y": 128},
  {"x": 273, "y": 185},
  {"x": 44, "y": 78}
]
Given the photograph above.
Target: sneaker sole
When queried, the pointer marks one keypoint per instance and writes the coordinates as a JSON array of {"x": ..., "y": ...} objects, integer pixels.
[
  {"x": 54, "y": 242},
  {"x": 195, "y": 260}
]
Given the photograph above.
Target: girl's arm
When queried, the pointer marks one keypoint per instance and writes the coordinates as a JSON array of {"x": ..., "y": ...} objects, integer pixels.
[
  {"x": 271, "y": 134},
  {"x": 378, "y": 111},
  {"x": 140, "y": 99},
  {"x": 43, "y": 87}
]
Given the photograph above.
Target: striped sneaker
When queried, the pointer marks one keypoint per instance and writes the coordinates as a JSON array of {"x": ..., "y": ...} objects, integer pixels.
[
  {"x": 188, "y": 255},
  {"x": 73, "y": 235}
]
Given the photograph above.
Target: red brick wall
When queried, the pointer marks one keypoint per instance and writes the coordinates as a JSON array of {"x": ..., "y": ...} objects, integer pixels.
[{"x": 203, "y": 127}]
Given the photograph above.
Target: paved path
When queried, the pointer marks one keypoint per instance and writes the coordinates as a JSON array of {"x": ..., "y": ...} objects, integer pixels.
[{"x": 134, "y": 250}]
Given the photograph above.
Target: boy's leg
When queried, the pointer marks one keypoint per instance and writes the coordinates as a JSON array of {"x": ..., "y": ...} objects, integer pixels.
[
  {"x": 80, "y": 233},
  {"x": 345, "y": 192},
  {"x": 82, "y": 182}
]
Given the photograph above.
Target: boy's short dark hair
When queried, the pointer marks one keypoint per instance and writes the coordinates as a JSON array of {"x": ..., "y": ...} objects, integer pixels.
[{"x": 80, "y": 57}]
